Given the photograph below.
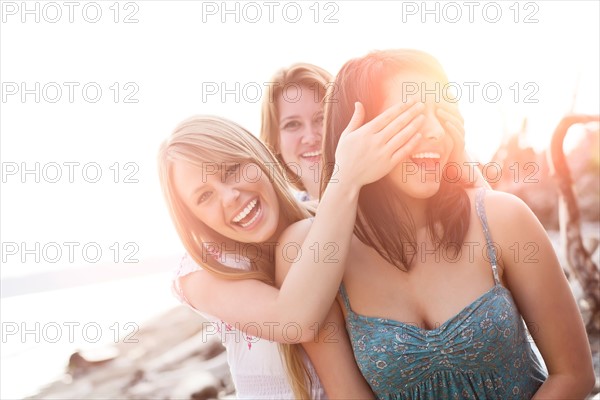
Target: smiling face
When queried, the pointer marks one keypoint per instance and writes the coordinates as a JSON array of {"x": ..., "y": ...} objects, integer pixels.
[
  {"x": 300, "y": 129},
  {"x": 420, "y": 175},
  {"x": 237, "y": 201}
]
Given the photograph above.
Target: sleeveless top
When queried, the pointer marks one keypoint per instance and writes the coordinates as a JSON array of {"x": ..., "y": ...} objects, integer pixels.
[
  {"x": 256, "y": 366},
  {"x": 482, "y": 352}
]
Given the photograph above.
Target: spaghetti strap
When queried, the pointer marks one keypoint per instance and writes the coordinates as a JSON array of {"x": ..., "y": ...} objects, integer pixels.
[
  {"x": 345, "y": 297},
  {"x": 491, "y": 250}
]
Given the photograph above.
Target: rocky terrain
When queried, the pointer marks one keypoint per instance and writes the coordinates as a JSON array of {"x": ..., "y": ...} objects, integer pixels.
[{"x": 174, "y": 360}]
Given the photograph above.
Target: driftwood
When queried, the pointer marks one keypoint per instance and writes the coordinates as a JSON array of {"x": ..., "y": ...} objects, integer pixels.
[{"x": 579, "y": 260}]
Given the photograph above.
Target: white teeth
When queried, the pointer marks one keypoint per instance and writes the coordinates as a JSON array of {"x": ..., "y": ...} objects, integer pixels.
[
  {"x": 250, "y": 222},
  {"x": 426, "y": 155},
  {"x": 245, "y": 211},
  {"x": 312, "y": 154}
]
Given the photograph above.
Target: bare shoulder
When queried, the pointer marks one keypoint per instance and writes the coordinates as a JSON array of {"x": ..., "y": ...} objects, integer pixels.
[
  {"x": 199, "y": 288},
  {"x": 510, "y": 219},
  {"x": 296, "y": 232},
  {"x": 503, "y": 207},
  {"x": 497, "y": 200}
]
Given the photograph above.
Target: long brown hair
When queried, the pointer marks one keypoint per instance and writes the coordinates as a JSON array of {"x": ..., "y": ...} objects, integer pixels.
[
  {"x": 203, "y": 140},
  {"x": 306, "y": 75},
  {"x": 379, "y": 224}
]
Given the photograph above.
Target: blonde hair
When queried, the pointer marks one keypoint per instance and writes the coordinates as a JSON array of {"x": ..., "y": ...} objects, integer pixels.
[
  {"x": 203, "y": 140},
  {"x": 302, "y": 74}
]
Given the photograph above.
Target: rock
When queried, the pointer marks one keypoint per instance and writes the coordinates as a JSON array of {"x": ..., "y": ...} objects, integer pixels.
[
  {"x": 200, "y": 385},
  {"x": 170, "y": 359}
]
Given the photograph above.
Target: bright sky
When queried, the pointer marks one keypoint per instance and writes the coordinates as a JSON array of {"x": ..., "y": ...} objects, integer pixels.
[{"x": 538, "y": 53}]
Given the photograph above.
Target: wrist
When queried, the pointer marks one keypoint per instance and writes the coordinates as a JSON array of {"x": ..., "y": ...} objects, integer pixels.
[{"x": 344, "y": 187}]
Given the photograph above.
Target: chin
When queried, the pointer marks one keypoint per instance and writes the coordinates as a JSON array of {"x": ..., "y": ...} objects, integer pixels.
[
  {"x": 256, "y": 237},
  {"x": 425, "y": 190}
]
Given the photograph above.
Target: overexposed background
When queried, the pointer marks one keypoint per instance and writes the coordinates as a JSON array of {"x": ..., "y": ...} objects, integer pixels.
[{"x": 165, "y": 61}]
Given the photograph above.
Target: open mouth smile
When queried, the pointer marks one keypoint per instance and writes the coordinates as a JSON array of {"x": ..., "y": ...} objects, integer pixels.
[
  {"x": 312, "y": 156},
  {"x": 428, "y": 160},
  {"x": 249, "y": 214}
]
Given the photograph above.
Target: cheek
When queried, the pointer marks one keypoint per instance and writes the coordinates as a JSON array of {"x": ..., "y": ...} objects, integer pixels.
[
  {"x": 318, "y": 127},
  {"x": 268, "y": 192},
  {"x": 208, "y": 215},
  {"x": 202, "y": 218},
  {"x": 288, "y": 143}
]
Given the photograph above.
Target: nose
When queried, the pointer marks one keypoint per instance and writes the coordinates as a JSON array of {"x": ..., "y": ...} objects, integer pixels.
[
  {"x": 229, "y": 195},
  {"x": 312, "y": 135},
  {"x": 432, "y": 127}
]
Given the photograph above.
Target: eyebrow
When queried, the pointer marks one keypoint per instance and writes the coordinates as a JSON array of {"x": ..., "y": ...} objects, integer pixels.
[
  {"x": 299, "y": 116},
  {"x": 289, "y": 117},
  {"x": 219, "y": 172}
]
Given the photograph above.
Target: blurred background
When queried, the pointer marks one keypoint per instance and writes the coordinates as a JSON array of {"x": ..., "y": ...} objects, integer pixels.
[{"x": 90, "y": 89}]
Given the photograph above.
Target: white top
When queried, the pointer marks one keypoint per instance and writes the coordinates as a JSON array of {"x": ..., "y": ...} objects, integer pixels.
[{"x": 255, "y": 363}]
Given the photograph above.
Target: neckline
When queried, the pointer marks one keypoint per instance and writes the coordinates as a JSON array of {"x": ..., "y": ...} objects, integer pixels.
[{"x": 418, "y": 329}]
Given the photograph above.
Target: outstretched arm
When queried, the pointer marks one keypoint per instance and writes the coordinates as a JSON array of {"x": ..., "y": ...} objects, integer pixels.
[
  {"x": 330, "y": 352},
  {"x": 365, "y": 153}
]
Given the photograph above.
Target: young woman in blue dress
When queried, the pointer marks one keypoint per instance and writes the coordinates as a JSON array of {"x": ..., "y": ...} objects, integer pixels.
[{"x": 440, "y": 276}]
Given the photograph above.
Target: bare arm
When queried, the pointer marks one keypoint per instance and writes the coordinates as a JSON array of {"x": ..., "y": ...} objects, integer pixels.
[
  {"x": 332, "y": 356},
  {"x": 544, "y": 298},
  {"x": 262, "y": 310},
  {"x": 365, "y": 153},
  {"x": 330, "y": 352}
]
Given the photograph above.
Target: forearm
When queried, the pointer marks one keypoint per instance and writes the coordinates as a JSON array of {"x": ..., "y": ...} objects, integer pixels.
[
  {"x": 323, "y": 254},
  {"x": 379, "y": 145},
  {"x": 304, "y": 299},
  {"x": 563, "y": 387}
]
